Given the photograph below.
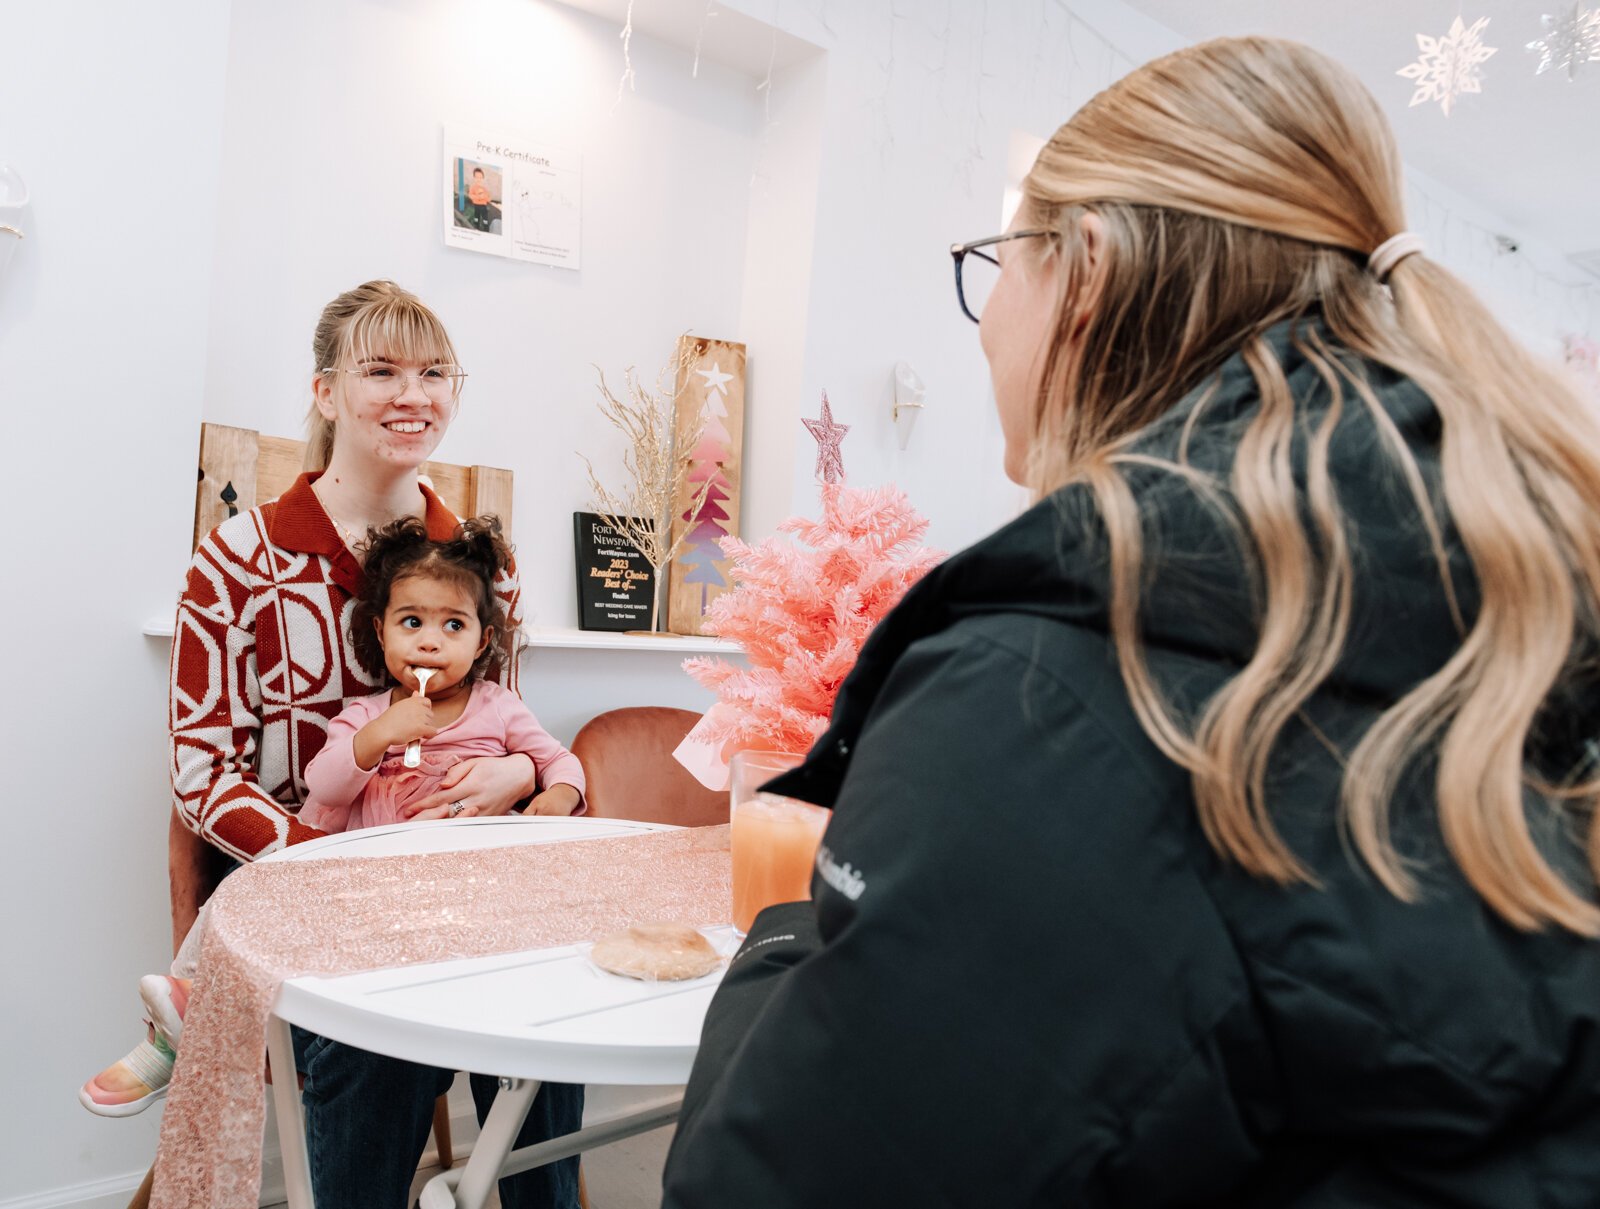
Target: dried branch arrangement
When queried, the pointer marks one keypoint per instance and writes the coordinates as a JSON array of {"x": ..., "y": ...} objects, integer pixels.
[{"x": 656, "y": 472}]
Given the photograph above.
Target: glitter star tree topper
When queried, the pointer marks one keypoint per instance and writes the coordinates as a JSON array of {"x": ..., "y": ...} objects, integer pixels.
[{"x": 830, "y": 463}]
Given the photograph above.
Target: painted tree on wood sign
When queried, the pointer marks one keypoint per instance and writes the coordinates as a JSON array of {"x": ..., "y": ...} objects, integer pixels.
[{"x": 708, "y": 522}]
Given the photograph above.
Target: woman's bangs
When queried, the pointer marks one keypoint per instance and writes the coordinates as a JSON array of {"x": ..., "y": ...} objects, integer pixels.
[{"x": 397, "y": 329}]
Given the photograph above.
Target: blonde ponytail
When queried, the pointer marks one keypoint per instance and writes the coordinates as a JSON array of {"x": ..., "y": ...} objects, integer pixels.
[{"x": 1240, "y": 183}]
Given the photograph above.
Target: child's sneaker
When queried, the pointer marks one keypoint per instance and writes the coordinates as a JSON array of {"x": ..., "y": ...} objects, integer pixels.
[
  {"x": 166, "y": 999},
  {"x": 133, "y": 1084}
]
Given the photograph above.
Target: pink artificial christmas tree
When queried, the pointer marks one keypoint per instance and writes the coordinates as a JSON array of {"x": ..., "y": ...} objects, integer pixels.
[{"x": 802, "y": 610}]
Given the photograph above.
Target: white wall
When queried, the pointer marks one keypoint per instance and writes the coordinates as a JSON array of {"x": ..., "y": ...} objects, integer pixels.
[
  {"x": 917, "y": 124},
  {"x": 111, "y": 113},
  {"x": 778, "y": 274},
  {"x": 922, "y": 102},
  {"x": 205, "y": 179},
  {"x": 330, "y": 176}
]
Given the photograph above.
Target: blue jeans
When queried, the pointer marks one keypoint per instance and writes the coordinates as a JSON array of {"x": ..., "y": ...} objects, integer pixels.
[{"x": 367, "y": 1121}]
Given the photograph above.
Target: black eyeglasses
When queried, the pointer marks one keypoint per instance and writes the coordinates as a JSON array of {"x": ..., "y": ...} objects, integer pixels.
[{"x": 977, "y": 271}]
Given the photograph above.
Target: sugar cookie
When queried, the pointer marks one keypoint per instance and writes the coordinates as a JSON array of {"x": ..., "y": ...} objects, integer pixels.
[{"x": 656, "y": 953}]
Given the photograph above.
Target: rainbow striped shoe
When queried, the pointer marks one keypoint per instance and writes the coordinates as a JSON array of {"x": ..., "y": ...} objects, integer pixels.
[{"x": 134, "y": 1083}]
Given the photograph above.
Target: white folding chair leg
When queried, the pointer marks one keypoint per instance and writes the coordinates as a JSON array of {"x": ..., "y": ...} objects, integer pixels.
[
  {"x": 591, "y": 1137},
  {"x": 291, "y": 1116},
  {"x": 441, "y": 1191},
  {"x": 499, "y": 1135}
]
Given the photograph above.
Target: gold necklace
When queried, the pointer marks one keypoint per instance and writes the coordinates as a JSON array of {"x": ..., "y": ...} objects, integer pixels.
[{"x": 349, "y": 539}]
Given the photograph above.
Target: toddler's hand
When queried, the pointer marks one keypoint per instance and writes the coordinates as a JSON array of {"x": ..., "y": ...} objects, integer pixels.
[
  {"x": 408, "y": 720},
  {"x": 400, "y": 724},
  {"x": 558, "y": 799}
]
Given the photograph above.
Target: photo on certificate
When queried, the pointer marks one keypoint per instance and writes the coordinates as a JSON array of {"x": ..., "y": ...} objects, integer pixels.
[{"x": 479, "y": 196}]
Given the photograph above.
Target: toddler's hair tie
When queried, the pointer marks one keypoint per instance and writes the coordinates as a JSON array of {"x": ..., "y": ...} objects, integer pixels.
[{"x": 1391, "y": 252}]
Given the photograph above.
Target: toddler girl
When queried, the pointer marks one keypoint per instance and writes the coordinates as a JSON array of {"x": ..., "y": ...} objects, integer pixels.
[
  {"x": 424, "y": 605},
  {"x": 429, "y": 605}
]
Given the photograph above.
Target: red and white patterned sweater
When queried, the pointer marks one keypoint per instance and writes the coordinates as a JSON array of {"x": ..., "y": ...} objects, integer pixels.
[{"x": 262, "y": 661}]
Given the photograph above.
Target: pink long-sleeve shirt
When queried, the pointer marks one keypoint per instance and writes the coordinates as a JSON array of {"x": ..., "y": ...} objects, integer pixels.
[{"x": 494, "y": 723}]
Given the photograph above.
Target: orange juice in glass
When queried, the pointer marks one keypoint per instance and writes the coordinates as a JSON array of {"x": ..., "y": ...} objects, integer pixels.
[{"x": 774, "y": 839}]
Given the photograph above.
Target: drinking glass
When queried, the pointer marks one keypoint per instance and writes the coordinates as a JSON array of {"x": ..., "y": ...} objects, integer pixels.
[{"x": 774, "y": 838}]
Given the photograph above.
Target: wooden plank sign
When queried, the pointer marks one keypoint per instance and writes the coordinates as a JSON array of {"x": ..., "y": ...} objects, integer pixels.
[
  {"x": 710, "y": 403},
  {"x": 240, "y": 468},
  {"x": 615, "y": 585},
  {"x": 226, "y": 484}
]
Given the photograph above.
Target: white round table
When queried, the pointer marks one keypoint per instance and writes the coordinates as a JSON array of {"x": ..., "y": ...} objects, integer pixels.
[{"x": 526, "y": 1016}]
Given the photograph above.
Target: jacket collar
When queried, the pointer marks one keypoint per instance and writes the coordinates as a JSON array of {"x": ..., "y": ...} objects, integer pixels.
[{"x": 299, "y": 523}]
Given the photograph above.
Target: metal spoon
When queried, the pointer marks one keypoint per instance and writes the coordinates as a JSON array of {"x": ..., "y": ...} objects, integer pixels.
[{"x": 414, "y": 748}]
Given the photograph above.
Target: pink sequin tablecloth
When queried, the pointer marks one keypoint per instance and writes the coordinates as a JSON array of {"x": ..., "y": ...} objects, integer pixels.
[{"x": 274, "y": 921}]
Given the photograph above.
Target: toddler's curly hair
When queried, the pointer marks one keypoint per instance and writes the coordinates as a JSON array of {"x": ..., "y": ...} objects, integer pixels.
[{"x": 473, "y": 557}]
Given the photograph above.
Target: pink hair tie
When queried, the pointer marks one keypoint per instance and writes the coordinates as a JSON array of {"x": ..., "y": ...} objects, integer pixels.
[{"x": 1391, "y": 252}]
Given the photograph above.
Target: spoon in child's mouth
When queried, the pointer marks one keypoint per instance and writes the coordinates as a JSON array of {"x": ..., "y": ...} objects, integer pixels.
[{"x": 414, "y": 748}]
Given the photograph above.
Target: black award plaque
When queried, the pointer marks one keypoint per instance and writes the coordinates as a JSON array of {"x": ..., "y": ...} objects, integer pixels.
[{"x": 615, "y": 584}]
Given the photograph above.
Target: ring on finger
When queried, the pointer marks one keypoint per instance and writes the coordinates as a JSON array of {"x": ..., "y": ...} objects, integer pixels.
[{"x": 456, "y": 808}]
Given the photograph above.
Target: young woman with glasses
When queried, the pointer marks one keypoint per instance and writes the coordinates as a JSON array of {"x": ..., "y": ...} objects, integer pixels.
[
  {"x": 262, "y": 661},
  {"x": 1221, "y": 831}
]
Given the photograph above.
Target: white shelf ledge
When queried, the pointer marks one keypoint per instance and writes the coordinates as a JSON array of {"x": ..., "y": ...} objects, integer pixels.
[
  {"x": 570, "y": 639},
  {"x": 603, "y": 640}
]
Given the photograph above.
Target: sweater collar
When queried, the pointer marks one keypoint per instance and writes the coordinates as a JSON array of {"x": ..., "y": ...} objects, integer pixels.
[{"x": 299, "y": 523}]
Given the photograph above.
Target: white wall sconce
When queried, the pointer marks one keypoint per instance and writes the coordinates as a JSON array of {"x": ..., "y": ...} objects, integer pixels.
[
  {"x": 13, "y": 198},
  {"x": 908, "y": 401}
]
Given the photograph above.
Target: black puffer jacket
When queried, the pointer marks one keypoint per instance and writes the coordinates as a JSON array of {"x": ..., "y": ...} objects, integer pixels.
[{"x": 1027, "y": 980}]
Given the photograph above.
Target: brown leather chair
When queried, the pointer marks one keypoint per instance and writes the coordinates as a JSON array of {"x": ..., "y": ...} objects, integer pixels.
[{"x": 627, "y": 762}]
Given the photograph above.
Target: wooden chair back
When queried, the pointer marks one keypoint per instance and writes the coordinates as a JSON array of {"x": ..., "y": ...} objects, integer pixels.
[
  {"x": 627, "y": 761},
  {"x": 238, "y": 469}
]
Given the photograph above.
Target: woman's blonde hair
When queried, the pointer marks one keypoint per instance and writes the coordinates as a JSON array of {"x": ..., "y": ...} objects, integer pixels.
[
  {"x": 380, "y": 317},
  {"x": 1238, "y": 184}
]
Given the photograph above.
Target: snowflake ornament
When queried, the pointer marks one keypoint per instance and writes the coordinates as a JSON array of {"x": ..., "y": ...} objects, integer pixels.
[
  {"x": 1569, "y": 41},
  {"x": 1448, "y": 66}
]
